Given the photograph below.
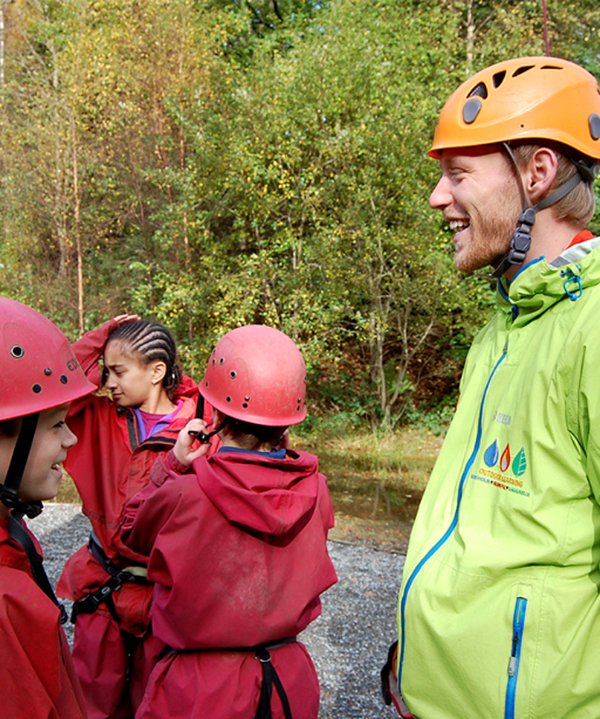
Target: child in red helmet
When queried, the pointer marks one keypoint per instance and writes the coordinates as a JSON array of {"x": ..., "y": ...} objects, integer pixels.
[
  {"x": 237, "y": 545},
  {"x": 39, "y": 377}
]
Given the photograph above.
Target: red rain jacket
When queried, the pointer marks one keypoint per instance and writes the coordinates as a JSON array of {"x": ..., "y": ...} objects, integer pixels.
[
  {"x": 36, "y": 673},
  {"x": 109, "y": 465},
  {"x": 238, "y": 554}
]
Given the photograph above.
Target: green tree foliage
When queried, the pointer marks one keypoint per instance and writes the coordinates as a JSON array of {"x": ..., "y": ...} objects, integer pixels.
[{"x": 237, "y": 161}]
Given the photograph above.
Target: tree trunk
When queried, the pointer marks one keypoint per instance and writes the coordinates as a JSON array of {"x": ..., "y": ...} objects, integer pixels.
[
  {"x": 470, "y": 37},
  {"x": 77, "y": 225},
  {"x": 2, "y": 28}
]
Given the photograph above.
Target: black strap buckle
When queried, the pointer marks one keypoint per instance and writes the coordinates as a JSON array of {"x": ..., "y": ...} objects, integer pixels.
[{"x": 90, "y": 603}]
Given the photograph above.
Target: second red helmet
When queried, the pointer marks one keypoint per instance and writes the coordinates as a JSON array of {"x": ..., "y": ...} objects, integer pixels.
[{"x": 257, "y": 374}]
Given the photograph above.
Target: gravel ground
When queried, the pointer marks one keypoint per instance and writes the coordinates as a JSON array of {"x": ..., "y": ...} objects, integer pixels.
[{"x": 348, "y": 642}]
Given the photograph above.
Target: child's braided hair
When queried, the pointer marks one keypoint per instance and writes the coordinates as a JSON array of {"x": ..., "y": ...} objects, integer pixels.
[{"x": 151, "y": 341}]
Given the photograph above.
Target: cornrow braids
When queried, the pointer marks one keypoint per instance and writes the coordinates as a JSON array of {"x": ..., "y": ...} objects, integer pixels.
[{"x": 151, "y": 341}]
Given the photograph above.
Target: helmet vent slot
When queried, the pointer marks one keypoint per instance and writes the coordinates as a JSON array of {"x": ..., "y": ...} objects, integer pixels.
[
  {"x": 37, "y": 388},
  {"x": 521, "y": 70},
  {"x": 17, "y": 351},
  {"x": 498, "y": 78},
  {"x": 63, "y": 379},
  {"x": 480, "y": 90},
  {"x": 233, "y": 374}
]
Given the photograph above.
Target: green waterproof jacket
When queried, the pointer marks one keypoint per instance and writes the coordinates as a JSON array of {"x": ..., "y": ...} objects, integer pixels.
[{"x": 499, "y": 608}]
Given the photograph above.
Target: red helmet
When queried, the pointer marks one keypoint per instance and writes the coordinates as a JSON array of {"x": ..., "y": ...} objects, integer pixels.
[
  {"x": 256, "y": 374},
  {"x": 38, "y": 370}
]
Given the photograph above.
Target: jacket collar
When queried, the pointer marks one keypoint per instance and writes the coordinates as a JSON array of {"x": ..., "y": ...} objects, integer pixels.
[{"x": 540, "y": 285}]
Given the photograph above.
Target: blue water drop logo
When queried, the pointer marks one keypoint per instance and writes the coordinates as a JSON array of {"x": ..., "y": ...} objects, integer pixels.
[{"x": 491, "y": 454}]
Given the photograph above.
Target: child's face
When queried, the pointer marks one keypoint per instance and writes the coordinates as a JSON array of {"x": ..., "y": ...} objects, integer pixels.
[
  {"x": 131, "y": 382},
  {"x": 49, "y": 449}
]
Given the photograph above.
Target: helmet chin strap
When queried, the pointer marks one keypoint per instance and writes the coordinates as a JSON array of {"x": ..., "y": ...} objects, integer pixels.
[
  {"x": 9, "y": 491},
  {"x": 521, "y": 240}
]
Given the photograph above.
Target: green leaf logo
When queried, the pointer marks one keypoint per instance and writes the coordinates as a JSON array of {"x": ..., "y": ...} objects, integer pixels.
[{"x": 519, "y": 464}]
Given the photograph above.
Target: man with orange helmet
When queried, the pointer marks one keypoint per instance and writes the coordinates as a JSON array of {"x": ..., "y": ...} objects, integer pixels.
[
  {"x": 499, "y": 608},
  {"x": 237, "y": 544},
  {"x": 39, "y": 378}
]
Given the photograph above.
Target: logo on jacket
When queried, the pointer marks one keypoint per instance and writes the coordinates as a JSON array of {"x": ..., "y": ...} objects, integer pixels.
[
  {"x": 492, "y": 457},
  {"x": 502, "y": 469}
]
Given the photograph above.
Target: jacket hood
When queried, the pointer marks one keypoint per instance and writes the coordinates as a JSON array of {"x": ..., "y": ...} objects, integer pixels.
[
  {"x": 264, "y": 495},
  {"x": 540, "y": 285},
  {"x": 186, "y": 388}
]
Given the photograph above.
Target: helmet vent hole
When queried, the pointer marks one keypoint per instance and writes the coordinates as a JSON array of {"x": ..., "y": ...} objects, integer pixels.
[
  {"x": 521, "y": 70},
  {"x": 247, "y": 398},
  {"x": 63, "y": 379},
  {"x": 47, "y": 371},
  {"x": 37, "y": 388},
  {"x": 498, "y": 78},
  {"x": 245, "y": 405},
  {"x": 17, "y": 351},
  {"x": 479, "y": 90},
  {"x": 228, "y": 399},
  {"x": 221, "y": 361},
  {"x": 233, "y": 374}
]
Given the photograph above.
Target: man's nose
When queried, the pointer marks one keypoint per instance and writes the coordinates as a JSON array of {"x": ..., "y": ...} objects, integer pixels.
[{"x": 441, "y": 196}]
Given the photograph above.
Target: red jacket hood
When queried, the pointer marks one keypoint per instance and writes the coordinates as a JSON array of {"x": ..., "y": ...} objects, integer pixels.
[
  {"x": 274, "y": 497},
  {"x": 186, "y": 388}
]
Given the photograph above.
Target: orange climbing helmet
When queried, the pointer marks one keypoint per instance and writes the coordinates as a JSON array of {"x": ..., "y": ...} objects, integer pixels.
[
  {"x": 525, "y": 98},
  {"x": 257, "y": 374}
]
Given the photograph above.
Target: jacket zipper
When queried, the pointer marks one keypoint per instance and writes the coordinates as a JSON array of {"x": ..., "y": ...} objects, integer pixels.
[
  {"x": 453, "y": 523},
  {"x": 515, "y": 657}
]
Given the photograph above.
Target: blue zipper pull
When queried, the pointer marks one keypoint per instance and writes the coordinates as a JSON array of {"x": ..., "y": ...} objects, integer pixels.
[{"x": 515, "y": 656}]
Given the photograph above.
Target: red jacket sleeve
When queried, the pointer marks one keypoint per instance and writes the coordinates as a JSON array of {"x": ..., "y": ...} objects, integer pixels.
[
  {"x": 88, "y": 350},
  {"x": 36, "y": 674}
]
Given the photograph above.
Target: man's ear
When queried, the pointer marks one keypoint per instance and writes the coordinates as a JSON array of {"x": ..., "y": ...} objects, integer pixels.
[{"x": 540, "y": 174}]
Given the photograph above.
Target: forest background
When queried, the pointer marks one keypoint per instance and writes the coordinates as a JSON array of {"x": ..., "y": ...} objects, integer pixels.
[{"x": 217, "y": 163}]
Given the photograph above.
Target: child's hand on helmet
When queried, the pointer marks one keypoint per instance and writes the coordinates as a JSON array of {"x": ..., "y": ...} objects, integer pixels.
[
  {"x": 188, "y": 447},
  {"x": 124, "y": 319}
]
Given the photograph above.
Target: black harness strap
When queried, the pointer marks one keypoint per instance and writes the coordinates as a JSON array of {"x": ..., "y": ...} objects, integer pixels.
[
  {"x": 270, "y": 678},
  {"x": 9, "y": 490},
  {"x": 18, "y": 532},
  {"x": 90, "y": 603}
]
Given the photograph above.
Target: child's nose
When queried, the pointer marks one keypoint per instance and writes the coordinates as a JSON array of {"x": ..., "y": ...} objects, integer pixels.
[{"x": 70, "y": 439}]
